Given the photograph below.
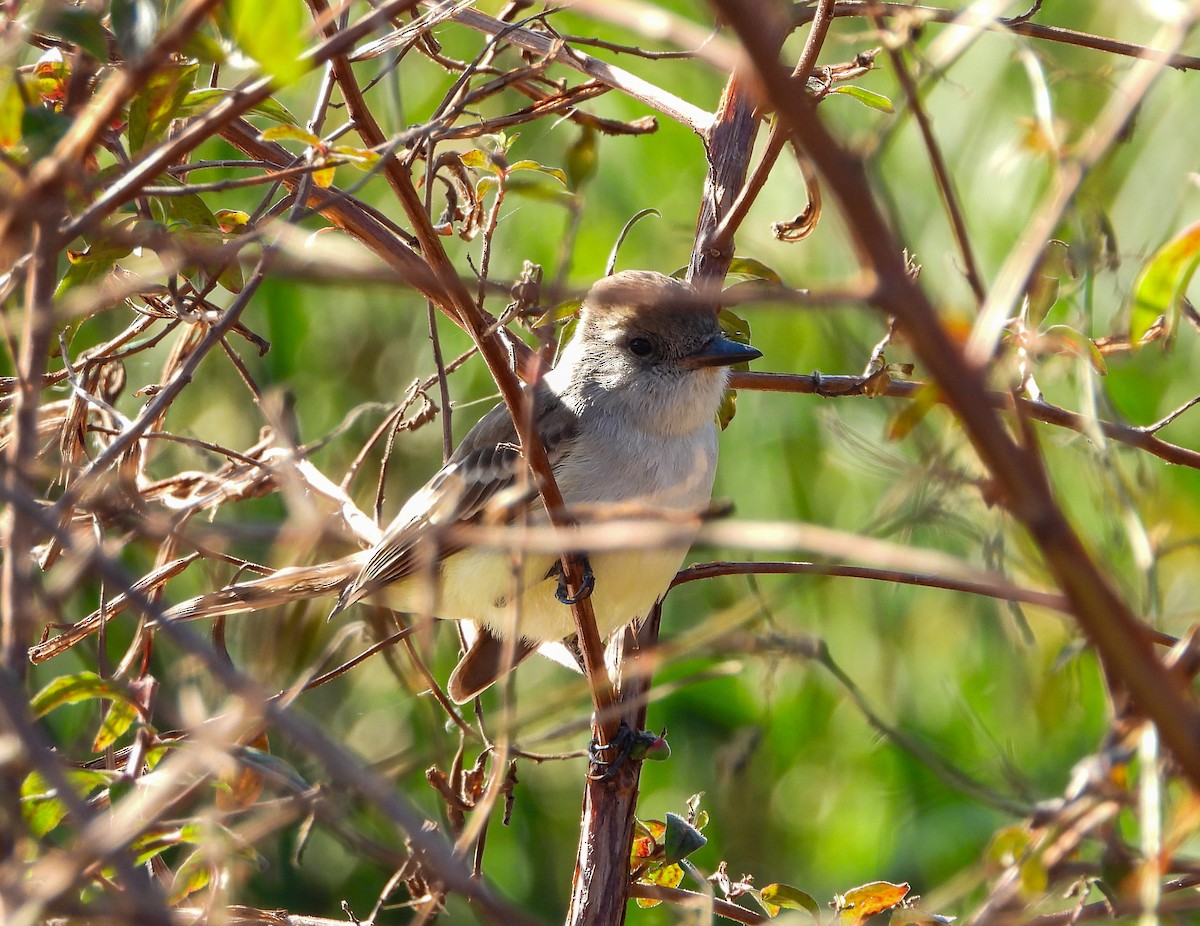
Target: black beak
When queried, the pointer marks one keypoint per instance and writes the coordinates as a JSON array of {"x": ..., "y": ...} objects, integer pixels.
[{"x": 722, "y": 352}]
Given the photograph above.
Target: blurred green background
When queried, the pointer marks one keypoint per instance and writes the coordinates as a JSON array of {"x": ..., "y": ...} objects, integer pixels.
[{"x": 799, "y": 785}]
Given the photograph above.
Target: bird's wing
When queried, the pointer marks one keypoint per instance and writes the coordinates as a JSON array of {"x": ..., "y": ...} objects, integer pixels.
[
  {"x": 297, "y": 583},
  {"x": 486, "y": 463}
]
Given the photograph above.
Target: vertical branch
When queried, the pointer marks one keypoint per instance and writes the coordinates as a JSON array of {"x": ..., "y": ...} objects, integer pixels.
[
  {"x": 17, "y": 578},
  {"x": 600, "y": 888}
]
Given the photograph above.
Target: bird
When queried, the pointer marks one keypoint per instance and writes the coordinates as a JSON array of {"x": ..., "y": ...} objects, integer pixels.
[{"x": 627, "y": 417}]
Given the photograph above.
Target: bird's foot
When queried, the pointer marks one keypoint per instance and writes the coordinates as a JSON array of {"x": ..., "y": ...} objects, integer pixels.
[
  {"x": 563, "y": 593},
  {"x": 627, "y": 746}
]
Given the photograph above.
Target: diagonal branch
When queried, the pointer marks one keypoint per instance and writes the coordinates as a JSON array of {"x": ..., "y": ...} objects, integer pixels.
[{"x": 1105, "y": 618}]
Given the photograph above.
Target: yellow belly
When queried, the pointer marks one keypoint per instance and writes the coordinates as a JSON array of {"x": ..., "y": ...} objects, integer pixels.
[{"x": 481, "y": 585}]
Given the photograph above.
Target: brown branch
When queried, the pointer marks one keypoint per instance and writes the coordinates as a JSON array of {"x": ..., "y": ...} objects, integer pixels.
[
  {"x": 680, "y": 110},
  {"x": 1004, "y": 591},
  {"x": 684, "y": 898},
  {"x": 868, "y": 8},
  {"x": 1118, "y": 636},
  {"x": 1141, "y": 438},
  {"x": 941, "y": 172}
]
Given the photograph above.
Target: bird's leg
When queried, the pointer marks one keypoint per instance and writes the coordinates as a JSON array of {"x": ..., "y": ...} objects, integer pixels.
[
  {"x": 627, "y": 746},
  {"x": 563, "y": 593}
]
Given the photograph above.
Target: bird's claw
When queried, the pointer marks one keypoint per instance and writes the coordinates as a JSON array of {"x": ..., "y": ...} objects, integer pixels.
[
  {"x": 563, "y": 593},
  {"x": 626, "y": 746}
]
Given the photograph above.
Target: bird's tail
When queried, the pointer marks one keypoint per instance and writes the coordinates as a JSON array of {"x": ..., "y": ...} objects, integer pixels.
[{"x": 297, "y": 583}]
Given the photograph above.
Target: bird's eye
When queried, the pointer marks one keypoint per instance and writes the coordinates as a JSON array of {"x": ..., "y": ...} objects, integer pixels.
[{"x": 640, "y": 347}]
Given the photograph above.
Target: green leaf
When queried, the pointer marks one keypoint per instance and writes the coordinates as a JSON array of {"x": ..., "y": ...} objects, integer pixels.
[
  {"x": 191, "y": 876},
  {"x": 271, "y": 766},
  {"x": 159, "y": 102},
  {"x": 867, "y": 98},
  {"x": 117, "y": 721},
  {"x": 734, "y": 327},
  {"x": 362, "y": 158},
  {"x": 485, "y": 186},
  {"x": 755, "y": 269},
  {"x": 41, "y": 130},
  {"x": 71, "y": 689},
  {"x": 12, "y": 111},
  {"x": 1163, "y": 282},
  {"x": 199, "y": 101},
  {"x": 1078, "y": 343},
  {"x": 291, "y": 133},
  {"x": 554, "y": 172},
  {"x": 681, "y": 839},
  {"x": 79, "y": 26},
  {"x": 41, "y": 806},
  {"x": 273, "y": 33},
  {"x": 136, "y": 24},
  {"x": 479, "y": 160},
  {"x": 583, "y": 158},
  {"x": 775, "y": 897}
]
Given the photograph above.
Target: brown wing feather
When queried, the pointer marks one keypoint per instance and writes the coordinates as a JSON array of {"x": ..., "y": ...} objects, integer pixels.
[
  {"x": 485, "y": 464},
  {"x": 484, "y": 663}
]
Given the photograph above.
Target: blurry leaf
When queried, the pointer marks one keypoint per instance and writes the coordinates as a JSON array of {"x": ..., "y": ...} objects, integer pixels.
[
  {"x": 194, "y": 873},
  {"x": 188, "y": 209},
  {"x": 775, "y": 897},
  {"x": 158, "y": 839},
  {"x": 12, "y": 111},
  {"x": 232, "y": 221},
  {"x": 479, "y": 160},
  {"x": 913, "y": 413},
  {"x": 41, "y": 806},
  {"x": 159, "y": 101},
  {"x": 681, "y": 839},
  {"x": 117, "y": 721},
  {"x": 90, "y": 266},
  {"x": 560, "y": 312},
  {"x": 271, "y": 766},
  {"x": 755, "y": 269},
  {"x": 867, "y": 98},
  {"x": 1032, "y": 875},
  {"x": 243, "y": 787},
  {"x": 362, "y": 158},
  {"x": 583, "y": 158},
  {"x": 204, "y": 48},
  {"x": 323, "y": 176},
  {"x": 136, "y": 23},
  {"x": 1077, "y": 343},
  {"x": 860, "y": 903},
  {"x": 545, "y": 192},
  {"x": 199, "y": 101},
  {"x": 77, "y": 25},
  {"x": 727, "y": 409},
  {"x": 1044, "y": 285},
  {"x": 485, "y": 186},
  {"x": 734, "y": 327},
  {"x": 292, "y": 133},
  {"x": 50, "y": 76},
  {"x": 664, "y": 875},
  {"x": 41, "y": 130},
  {"x": 71, "y": 689},
  {"x": 273, "y": 33},
  {"x": 1007, "y": 846},
  {"x": 554, "y": 172},
  {"x": 1163, "y": 282},
  {"x": 646, "y": 846}
]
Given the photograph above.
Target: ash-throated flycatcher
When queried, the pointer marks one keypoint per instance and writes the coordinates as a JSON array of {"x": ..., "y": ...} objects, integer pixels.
[{"x": 626, "y": 417}]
